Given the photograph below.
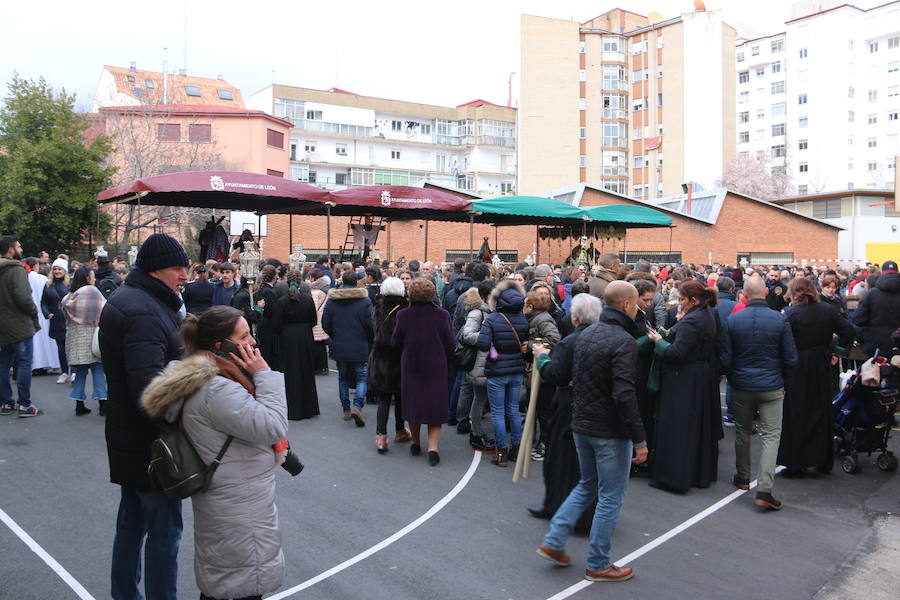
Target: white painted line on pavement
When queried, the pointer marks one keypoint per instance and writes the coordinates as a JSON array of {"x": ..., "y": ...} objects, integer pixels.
[
  {"x": 42, "y": 554},
  {"x": 663, "y": 538},
  {"x": 473, "y": 466}
]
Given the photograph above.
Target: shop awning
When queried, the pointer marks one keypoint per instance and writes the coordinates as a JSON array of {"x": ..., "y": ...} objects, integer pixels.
[{"x": 526, "y": 210}]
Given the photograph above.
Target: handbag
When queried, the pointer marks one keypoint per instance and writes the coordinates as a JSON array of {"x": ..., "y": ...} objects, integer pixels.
[
  {"x": 95, "y": 344},
  {"x": 463, "y": 356}
]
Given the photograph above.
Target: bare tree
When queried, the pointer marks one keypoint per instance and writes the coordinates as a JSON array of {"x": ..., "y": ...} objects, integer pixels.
[
  {"x": 139, "y": 152},
  {"x": 756, "y": 178}
]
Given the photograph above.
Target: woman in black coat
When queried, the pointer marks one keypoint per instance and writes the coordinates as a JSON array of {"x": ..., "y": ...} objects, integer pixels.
[
  {"x": 689, "y": 417},
  {"x": 56, "y": 289},
  {"x": 293, "y": 318},
  {"x": 242, "y": 301},
  {"x": 265, "y": 334},
  {"x": 384, "y": 362},
  {"x": 806, "y": 427}
]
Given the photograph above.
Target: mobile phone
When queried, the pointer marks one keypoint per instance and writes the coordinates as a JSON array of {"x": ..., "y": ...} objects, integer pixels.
[
  {"x": 226, "y": 346},
  {"x": 648, "y": 325}
]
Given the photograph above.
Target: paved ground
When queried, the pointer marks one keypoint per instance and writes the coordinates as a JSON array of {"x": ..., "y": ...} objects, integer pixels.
[{"x": 835, "y": 532}]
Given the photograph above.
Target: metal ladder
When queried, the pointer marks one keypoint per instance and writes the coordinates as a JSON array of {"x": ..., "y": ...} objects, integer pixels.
[{"x": 347, "y": 251}]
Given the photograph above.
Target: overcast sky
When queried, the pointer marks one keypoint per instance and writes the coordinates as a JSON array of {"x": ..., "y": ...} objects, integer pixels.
[{"x": 435, "y": 52}]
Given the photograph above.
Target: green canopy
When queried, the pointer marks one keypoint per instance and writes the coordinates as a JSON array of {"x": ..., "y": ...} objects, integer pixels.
[
  {"x": 627, "y": 214},
  {"x": 526, "y": 210}
]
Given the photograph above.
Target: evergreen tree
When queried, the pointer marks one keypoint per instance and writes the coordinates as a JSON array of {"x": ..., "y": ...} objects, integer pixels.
[{"x": 50, "y": 170}]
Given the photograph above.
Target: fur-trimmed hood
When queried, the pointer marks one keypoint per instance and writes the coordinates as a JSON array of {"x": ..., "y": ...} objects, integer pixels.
[
  {"x": 353, "y": 293},
  {"x": 507, "y": 296},
  {"x": 177, "y": 381},
  {"x": 472, "y": 299}
]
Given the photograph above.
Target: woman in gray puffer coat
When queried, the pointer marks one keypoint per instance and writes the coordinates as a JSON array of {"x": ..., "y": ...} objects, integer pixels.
[
  {"x": 475, "y": 301},
  {"x": 227, "y": 389}
]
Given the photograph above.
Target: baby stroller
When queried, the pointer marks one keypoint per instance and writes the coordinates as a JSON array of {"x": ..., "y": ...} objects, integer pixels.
[{"x": 864, "y": 414}]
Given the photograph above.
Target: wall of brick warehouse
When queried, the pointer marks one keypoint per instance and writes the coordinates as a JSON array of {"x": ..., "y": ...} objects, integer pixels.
[{"x": 743, "y": 226}]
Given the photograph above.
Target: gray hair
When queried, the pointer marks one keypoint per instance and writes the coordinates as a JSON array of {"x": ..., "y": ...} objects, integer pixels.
[
  {"x": 542, "y": 271},
  {"x": 586, "y": 308},
  {"x": 392, "y": 286}
]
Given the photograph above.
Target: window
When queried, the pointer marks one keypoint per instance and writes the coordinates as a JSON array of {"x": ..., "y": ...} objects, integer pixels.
[
  {"x": 754, "y": 51},
  {"x": 778, "y": 151},
  {"x": 340, "y": 178},
  {"x": 149, "y": 84},
  {"x": 873, "y": 119},
  {"x": 893, "y": 42},
  {"x": 309, "y": 147},
  {"x": 851, "y": 92},
  {"x": 802, "y": 189},
  {"x": 192, "y": 90},
  {"x": 778, "y": 129},
  {"x": 293, "y": 149},
  {"x": 314, "y": 115},
  {"x": 168, "y": 132},
  {"x": 582, "y": 104},
  {"x": 776, "y": 66},
  {"x": 396, "y": 126},
  {"x": 779, "y": 170},
  {"x": 892, "y": 91},
  {"x": 830, "y": 208},
  {"x": 740, "y": 57},
  {"x": 850, "y": 140},
  {"x": 760, "y": 114},
  {"x": 777, "y": 87},
  {"x": 761, "y": 72},
  {"x": 760, "y": 134},
  {"x": 340, "y": 149},
  {"x": 803, "y": 144},
  {"x": 873, "y": 95},
  {"x": 803, "y": 53},
  {"x": 872, "y": 166},
  {"x": 638, "y": 104},
  {"x": 612, "y": 44},
  {"x": 778, "y": 109},
  {"x": 892, "y": 116},
  {"x": 199, "y": 132},
  {"x": 893, "y": 66},
  {"x": 760, "y": 154},
  {"x": 638, "y": 133},
  {"x": 851, "y": 116},
  {"x": 582, "y": 133},
  {"x": 395, "y": 154},
  {"x": 873, "y": 47},
  {"x": 744, "y": 154},
  {"x": 744, "y": 137},
  {"x": 659, "y": 71},
  {"x": 849, "y": 165},
  {"x": 659, "y": 99},
  {"x": 582, "y": 75},
  {"x": 636, "y": 49},
  {"x": 311, "y": 176},
  {"x": 777, "y": 45},
  {"x": 639, "y": 162},
  {"x": 425, "y": 129},
  {"x": 224, "y": 94},
  {"x": 872, "y": 142},
  {"x": 743, "y": 97},
  {"x": 804, "y": 122},
  {"x": 274, "y": 173},
  {"x": 743, "y": 76},
  {"x": 274, "y": 138},
  {"x": 801, "y": 99},
  {"x": 804, "y": 167},
  {"x": 744, "y": 117},
  {"x": 582, "y": 161},
  {"x": 580, "y": 47}
]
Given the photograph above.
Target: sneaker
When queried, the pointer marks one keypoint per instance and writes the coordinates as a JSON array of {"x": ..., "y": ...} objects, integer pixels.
[
  {"x": 741, "y": 484},
  {"x": 768, "y": 501},
  {"x": 537, "y": 454},
  {"x": 7, "y": 409},
  {"x": 611, "y": 573},
  {"x": 480, "y": 444},
  {"x": 29, "y": 411},
  {"x": 555, "y": 556},
  {"x": 63, "y": 378},
  {"x": 728, "y": 421},
  {"x": 72, "y": 378}
]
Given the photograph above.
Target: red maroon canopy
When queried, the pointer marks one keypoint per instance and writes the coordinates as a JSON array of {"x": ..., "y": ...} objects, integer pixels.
[
  {"x": 399, "y": 202},
  {"x": 234, "y": 190}
]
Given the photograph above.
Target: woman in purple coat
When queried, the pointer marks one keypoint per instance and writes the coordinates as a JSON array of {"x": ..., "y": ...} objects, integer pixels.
[{"x": 424, "y": 336}]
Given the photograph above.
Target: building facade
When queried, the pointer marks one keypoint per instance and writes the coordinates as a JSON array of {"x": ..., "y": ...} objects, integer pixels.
[
  {"x": 822, "y": 98},
  {"x": 624, "y": 101}
]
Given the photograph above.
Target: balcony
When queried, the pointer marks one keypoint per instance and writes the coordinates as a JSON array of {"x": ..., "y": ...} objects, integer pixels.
[
  {"x": 492, "y": 140},
  {"x": 615, "y": 171},
  {"x": 615, "y": 113},
  {"x": 615, "y": 142},
  {"x": 616, "y": 85},
  {"x": 339, "y": 128}
]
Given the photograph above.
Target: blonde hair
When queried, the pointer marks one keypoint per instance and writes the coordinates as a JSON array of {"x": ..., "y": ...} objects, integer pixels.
[{"x": 65, "y": 277}]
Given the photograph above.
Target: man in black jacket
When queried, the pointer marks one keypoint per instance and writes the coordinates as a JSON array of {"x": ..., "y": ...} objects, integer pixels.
[
  {"x": 878, "y": 315},
  {"x": 198, "y": 294},
  {"x": 607, "y": 426},
  {"x": 138, "y": 337}
]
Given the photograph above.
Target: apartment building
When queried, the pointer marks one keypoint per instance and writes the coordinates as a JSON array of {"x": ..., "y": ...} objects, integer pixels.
[
  {"x": 341, "y": 139},
  {"x": 634, "y": 104},
  {"x": 822, "y": 98}
]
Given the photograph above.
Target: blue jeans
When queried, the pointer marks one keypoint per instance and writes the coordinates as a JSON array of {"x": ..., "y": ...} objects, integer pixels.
[
  {"x": 158, "y": 517},
  {"x": 23, "y": 351},
  {"x": 605, "y": 464},
  {"x": 99, "y": 379},
  {"x": 503, "y": 394},
  {"x": 348, "y": 372}
]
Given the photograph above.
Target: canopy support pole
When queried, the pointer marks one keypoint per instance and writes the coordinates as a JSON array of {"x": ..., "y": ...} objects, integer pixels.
[
  {"x": 290, "y": 234},
  {"x": 537, "y": 246},
  {"x": 496, "y": 240},
  {"x": 426, "y": 242},
  {"x": 328, "y": 230},
  {"x": 625, "y": 247},
  {"x": 471, "y": 237}
]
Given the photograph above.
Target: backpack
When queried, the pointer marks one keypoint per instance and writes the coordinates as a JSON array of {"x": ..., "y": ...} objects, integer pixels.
[
  {"x": 107, "y": 287},
  {"x": 175, "y": 464}
]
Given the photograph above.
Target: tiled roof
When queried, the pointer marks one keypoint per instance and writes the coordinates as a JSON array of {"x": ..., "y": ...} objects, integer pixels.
[{"x": 135, "y": 84}]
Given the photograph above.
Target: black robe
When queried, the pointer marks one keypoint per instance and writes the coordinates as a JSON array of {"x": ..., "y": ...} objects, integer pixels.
[
  {"x": 265, "y": 335},
  {"x": 647, "y": 400},
  {"x": 807, "y": 424},
  {"x": 689, "y": 417},
  {"x": 293, "y": 321}
]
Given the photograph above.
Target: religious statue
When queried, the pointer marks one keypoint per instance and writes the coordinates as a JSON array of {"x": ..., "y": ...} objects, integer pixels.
[
  {"x": 496, "y": 261},
  {"x": 530, "y": 259},
  {"x": 132, "y": 256},
  {"x": 580, "y": 256},
  {"x": 297, "y": 257}
]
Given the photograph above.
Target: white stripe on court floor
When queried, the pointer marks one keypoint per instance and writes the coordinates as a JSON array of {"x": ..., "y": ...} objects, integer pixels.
[
  {"x": 473, "y": 466},
  {"x": 42, "y": 554},
  {"x": 573, "y": 589}
]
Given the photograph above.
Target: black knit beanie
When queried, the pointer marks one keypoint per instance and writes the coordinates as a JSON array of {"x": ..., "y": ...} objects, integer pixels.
[{"x": 160, "y": 251}]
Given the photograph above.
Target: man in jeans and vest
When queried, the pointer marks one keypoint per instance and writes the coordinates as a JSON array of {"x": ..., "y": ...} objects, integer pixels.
[
  {"x": 607, "y": 427},
  {"x": 139, "y": 335},
  {"x": 758, "y": 352}
]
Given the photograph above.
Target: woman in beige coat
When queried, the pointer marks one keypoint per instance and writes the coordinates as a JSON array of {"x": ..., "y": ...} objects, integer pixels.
[
  {"x": 319, "y": 287},
  {"x": 82, "y": 307}
]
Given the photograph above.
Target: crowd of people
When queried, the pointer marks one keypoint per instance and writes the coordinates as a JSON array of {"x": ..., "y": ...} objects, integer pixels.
[{"x": 631, "y": 359}]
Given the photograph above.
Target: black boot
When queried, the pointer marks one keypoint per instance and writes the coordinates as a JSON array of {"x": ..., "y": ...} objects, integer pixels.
[
  {"x": 102, "y": 410},
  {"x": 81, "y": 409}
]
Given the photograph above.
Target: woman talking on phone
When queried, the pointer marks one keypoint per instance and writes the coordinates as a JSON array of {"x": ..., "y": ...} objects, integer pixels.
[{"x": 225, "y": 388}]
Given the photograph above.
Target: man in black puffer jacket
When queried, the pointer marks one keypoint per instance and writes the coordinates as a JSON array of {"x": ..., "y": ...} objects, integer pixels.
[
  {"x": 139, "y": 335},
  {"x": 878, "y": 314},
  {"x": 606, "y": 424}
]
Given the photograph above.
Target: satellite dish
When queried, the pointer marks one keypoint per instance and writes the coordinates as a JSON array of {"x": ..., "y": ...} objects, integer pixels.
[
  {"x": 698, "y": 5},
  {"x": 654, "y": 17}
]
